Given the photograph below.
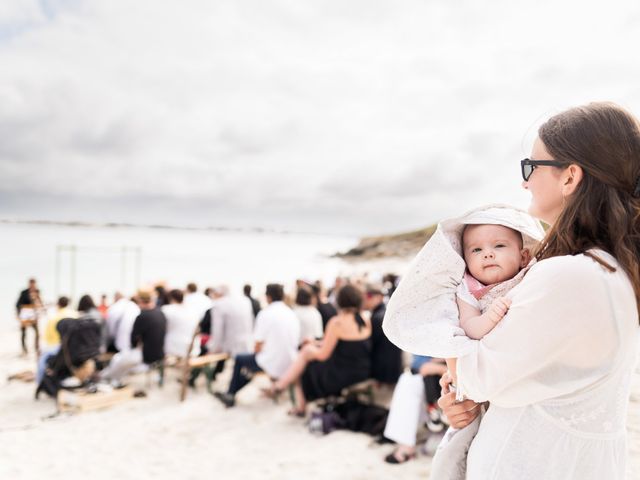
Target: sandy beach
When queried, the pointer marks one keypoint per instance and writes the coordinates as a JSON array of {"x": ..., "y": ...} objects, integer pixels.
[{"x": 159, "y": 437}]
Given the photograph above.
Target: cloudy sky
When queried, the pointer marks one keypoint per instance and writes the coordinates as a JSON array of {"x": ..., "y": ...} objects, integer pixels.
[{"x": 355, "y": 117}]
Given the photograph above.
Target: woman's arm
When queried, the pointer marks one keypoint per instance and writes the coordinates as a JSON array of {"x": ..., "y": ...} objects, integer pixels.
[
  {"x": 559, "y": 336},
  {"x": 433, "y": 367},
  {"x": 329, "y": 342},
  {"x": 477, "y": 325}
]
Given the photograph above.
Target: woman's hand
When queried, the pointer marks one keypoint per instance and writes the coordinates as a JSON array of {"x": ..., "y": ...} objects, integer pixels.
[
  {"x": 459, "y": 414},
  {"x": 445, "y": 380},
  {"x": 309, "y": 351}
]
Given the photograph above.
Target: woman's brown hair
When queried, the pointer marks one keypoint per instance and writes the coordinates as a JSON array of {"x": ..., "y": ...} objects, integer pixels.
[
  {"x": 350, "y": 299},
  {"x": 604, "y": 210}
]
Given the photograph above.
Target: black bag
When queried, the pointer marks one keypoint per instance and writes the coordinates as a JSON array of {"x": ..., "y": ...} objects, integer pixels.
[
  {"x": 323, "y": 422},
  {"x": 362, "y": 417}
]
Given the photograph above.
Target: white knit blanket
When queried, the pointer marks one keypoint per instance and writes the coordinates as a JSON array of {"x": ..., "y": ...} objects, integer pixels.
[{"x": 422, "y": 315}]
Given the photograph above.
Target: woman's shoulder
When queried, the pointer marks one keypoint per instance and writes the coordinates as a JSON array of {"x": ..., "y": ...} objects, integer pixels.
[
  {"x": 571, "y": 278},
  {"x": 574, "y": 266},
  {"x": 344, "y": 324}
]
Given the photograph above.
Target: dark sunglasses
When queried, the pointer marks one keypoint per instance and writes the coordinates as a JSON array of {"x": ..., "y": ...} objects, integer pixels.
[{"x": 528, "y": 166}]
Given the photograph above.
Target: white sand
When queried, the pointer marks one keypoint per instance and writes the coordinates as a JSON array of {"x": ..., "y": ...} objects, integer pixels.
[{"x": 159, "y": 437}]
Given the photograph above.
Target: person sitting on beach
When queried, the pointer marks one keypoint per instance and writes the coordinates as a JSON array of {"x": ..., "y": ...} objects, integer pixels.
[
  {"x": 231, "y": 325},
  {"x": 309, "y": 317},
  {"x": 162, "y": 296},
  {"x": 255, "y": 304},
  {"x": 87, "y": 310},
  {"x": 51, "y": 336},
  {"x": 120, "y": 317},
  {"x": 386, "y": 358},
  {"x": 342, "y": 358},
  {"x": 414, "y": 401},
  {"x": 276, "y": 336},
  {"x": 326, "y": 309},
  {"x": 196, "y": 302},
  {"x": 146, "y": 342},
  {"x": 180, "y": 325}
]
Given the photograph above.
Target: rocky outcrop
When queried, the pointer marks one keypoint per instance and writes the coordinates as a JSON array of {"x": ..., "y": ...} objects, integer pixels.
[{"x": 385, "y": 246}]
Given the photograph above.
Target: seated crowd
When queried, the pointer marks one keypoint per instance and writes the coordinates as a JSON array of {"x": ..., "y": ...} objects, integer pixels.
[{"x": 315, "y": 348}]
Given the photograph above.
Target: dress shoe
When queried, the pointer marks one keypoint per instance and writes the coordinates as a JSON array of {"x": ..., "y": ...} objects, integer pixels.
[{"x": 226, "y": 398}]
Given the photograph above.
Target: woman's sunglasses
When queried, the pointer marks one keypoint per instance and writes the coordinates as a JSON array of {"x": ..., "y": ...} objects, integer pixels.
[{"x": 528, "y": 166}]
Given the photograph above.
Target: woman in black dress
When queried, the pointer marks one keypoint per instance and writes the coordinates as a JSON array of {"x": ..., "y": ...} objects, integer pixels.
[{"x": 340, "y": 359}]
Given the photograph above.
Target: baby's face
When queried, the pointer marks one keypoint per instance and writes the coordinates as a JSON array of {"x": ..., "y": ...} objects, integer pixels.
[{"x": 493, "y": 253}]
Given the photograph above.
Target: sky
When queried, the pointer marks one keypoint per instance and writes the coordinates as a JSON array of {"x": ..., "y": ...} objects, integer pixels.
[{"x": 359, "y": 117}]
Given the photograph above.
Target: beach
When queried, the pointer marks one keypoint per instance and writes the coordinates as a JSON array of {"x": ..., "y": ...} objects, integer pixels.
[{"x": 159, "y": 437}]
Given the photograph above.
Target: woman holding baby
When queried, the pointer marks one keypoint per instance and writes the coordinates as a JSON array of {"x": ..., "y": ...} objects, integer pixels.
[{"x": 553, "y": 354}]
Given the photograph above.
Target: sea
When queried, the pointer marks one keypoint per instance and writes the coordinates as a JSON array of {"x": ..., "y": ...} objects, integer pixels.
[{"x": 74, "y": 260}]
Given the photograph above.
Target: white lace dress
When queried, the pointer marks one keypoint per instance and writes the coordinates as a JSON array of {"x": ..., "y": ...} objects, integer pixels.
[{"x": 557, "y": 371}]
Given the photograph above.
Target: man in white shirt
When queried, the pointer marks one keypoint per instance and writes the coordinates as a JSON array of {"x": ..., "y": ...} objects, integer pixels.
[
  {"x": 197, "y": 303},
  {"x": 231, "y": 322},
  {"x": 181, "y": 325},
  {"x": 120, "y": 318},
  {"x": 308, "y": 316},
  {"x": 276, "y": 337}
]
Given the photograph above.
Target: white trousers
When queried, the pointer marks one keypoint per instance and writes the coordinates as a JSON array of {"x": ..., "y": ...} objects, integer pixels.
[
  {"x": 122, "y": 363},
  {"x": 407, "y": 409}
]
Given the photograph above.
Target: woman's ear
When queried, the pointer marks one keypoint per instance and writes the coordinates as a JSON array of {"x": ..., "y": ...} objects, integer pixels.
[
  {"x": 572, "y": 176},
  {"x": 525, "y": 257}
]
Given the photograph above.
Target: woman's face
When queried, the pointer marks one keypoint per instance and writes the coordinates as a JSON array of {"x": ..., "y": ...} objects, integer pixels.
[{"x": 545, "y": 186}]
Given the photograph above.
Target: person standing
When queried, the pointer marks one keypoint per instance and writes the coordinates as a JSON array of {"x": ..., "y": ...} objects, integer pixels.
[
  {"x": 557, "y": 369},
  {"x": 27, "y": 308}
]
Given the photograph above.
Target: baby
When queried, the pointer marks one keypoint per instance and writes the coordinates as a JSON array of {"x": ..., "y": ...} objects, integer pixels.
[
  {"x": 496, "y": 259},
  {"x": 494, "y": 254}
]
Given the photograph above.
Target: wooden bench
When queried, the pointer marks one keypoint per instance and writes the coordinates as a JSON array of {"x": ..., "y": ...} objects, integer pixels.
[
  {"x": 206, "y": 362},
  {"x": 81, "y": 401},
  {"x": 365, "y": 388}
]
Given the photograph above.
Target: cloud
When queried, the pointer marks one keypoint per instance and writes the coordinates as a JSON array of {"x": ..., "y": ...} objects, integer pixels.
[{"x": 351, "y": 116}]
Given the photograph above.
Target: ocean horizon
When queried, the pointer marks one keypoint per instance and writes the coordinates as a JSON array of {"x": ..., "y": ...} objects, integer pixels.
[{"x": 74, "y": 259}]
